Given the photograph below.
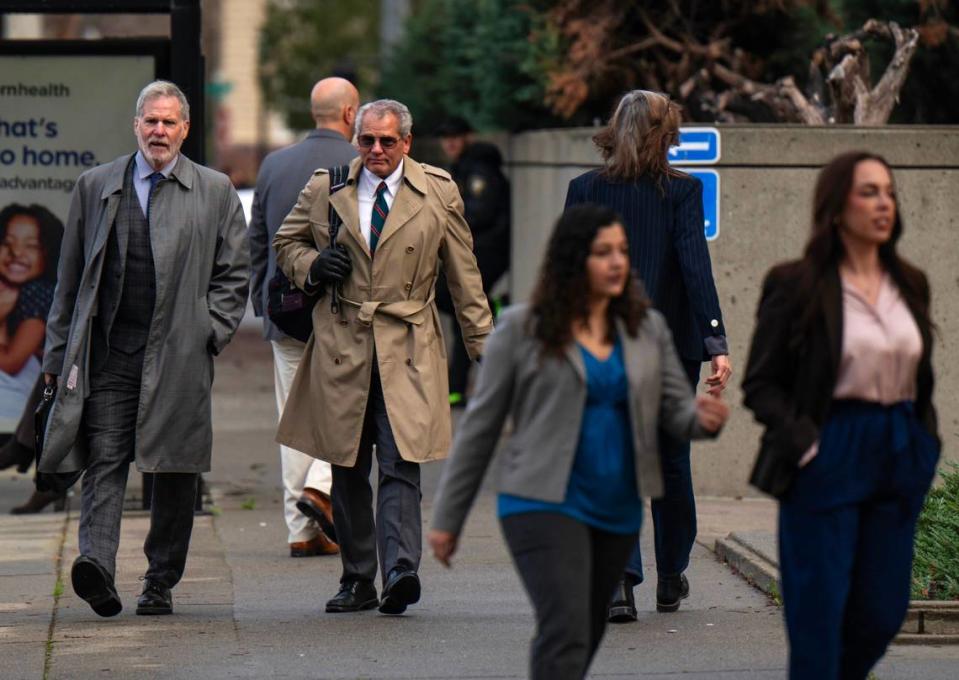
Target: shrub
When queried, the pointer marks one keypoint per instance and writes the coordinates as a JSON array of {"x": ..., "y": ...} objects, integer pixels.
[{"x": 935, "y": 568}]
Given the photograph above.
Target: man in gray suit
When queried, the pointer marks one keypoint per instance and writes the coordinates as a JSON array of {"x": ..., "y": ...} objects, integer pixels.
[
  {"x": 283, "y": 174},
  {"x": 152, "y": 283}
]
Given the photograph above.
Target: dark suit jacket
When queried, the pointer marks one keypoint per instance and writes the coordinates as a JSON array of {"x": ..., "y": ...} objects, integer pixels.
[
  {"x": 791, "y": 373},
  {"x": 282, "y": 177},
  {"x": 667, "y": 246}
]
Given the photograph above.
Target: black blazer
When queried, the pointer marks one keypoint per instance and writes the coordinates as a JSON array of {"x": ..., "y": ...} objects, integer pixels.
[
  {"x": 791, "y": 374},
  {"x": 667, "y": 247}
]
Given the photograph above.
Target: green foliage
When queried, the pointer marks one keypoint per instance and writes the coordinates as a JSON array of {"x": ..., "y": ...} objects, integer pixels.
[
  {"x": 303, "y": 41},
  {"x": 248, "y": 504},
  {"x": 935, "y": 568},
  {"x": 471, "y": 58}
]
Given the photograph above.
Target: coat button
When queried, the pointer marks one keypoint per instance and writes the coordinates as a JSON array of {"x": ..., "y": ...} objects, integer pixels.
[
  {"x": 410, "y": 249},
  {"x": 409, "y": 362},
  {"x": 336, "y": 360},
  {"x": 343, "y": 322},
  {"x": 714, "y": 323},
  {"x": 408, "y": 286}
]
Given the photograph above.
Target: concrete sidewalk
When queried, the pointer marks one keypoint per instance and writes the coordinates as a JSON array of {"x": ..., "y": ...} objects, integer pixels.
[{"x": 247, "y": 610}]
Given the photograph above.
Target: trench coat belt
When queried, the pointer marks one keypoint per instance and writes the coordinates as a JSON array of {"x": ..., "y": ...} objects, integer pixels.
[{"x": 404, "y": 310}]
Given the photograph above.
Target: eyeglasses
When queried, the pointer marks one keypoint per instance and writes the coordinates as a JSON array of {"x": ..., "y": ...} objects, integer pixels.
[{"x": 368, "y": 141}]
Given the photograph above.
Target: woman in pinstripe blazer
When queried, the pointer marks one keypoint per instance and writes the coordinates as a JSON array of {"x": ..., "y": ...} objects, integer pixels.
[{"x": 662, "y": 212}]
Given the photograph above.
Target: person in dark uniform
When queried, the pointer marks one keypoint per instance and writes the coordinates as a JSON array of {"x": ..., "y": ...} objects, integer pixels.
[{"x": 476, "y": 168}]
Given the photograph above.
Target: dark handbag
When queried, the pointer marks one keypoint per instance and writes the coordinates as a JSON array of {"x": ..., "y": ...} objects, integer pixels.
[
  {"x": 45, "y": 481},
  {"x": 289, "y": 308},
  {"x": 773, "y": 472}
]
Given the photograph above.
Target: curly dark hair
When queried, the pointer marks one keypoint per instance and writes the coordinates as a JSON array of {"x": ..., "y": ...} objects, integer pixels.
[
  {"x": 561, "y": 296},
  {"x": 51, "y": 233}
]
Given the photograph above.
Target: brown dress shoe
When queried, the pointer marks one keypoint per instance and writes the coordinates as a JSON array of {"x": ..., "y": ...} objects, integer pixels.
[
  {"x": 39, "y": 500},
  {"x": 317, "y": 506},
  {"x": 319, "y": 545}
]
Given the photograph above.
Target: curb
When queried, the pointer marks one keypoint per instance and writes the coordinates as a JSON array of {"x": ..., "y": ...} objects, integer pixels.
[{"x": 928, "y": 622}]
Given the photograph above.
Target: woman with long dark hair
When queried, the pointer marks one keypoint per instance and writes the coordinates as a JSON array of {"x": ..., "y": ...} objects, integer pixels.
[
  {"x": 588, "y": 373},
  {"x": 662, "y": 210},
  {"x": 840, "y": 375}
]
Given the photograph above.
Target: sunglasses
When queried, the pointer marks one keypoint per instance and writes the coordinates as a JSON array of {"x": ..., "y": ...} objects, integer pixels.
[{"x": 368, "y": 141}]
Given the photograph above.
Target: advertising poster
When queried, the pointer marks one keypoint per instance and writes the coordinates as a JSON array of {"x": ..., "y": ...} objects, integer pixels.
[{"x": 59, "y": 116}]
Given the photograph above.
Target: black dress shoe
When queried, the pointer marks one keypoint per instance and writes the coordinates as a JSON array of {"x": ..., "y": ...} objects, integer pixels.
[
  {"x": 93, "y": 583},
  {"x": 622, "y": 608},
  {"x": 354, "y": 596},
  {"x": 402, "y": 589},
  {"x": 14, "y": 453},
  {"x": 156, "y": 599},
  {"x": 669, "y": 591}
]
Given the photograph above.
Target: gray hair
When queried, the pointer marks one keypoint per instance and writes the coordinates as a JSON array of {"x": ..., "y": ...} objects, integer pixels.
[
  {"x": 163, "y": 88},
  {"x": 380, "y": 108},
  {"x": 636, "y": 140}
]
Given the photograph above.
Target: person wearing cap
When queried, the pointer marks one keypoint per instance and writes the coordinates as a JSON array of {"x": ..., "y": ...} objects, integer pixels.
[{"x": 476, "y": 168}]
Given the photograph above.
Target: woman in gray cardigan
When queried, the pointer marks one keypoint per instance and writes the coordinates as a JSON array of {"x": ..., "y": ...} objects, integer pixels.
[{"x": 588, "y": 374}]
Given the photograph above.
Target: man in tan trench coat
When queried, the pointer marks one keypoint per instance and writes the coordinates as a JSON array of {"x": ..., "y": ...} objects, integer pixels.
[{"x": 374, "y": 371}]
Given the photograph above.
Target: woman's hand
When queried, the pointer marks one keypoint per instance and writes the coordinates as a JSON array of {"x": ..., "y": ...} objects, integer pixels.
[
  {"x": 443, "y": 544},
  {"x": 811, "y": 453},
  {"x": 711, "y": 412}
]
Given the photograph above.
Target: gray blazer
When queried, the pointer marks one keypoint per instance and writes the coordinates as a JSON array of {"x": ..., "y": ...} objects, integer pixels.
[
  {"x": 282, "y": 177},
  {"x": 545, "y": 398}
]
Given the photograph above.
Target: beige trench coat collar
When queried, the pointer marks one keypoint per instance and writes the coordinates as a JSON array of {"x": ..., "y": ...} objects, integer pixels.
[{"x": 409, "y": 201}]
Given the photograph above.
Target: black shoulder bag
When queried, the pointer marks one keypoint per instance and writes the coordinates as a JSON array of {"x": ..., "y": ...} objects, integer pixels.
[{"x": 289, "y": 308}]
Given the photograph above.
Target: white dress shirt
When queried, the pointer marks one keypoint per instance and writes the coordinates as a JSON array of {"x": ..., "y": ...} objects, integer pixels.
[
  {"x": 141, "y": 177},
  {"x": 366, "y": 195}
]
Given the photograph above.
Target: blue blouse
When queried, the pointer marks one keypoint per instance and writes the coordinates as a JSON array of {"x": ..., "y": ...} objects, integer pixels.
[{"x": 602, "y": 484}]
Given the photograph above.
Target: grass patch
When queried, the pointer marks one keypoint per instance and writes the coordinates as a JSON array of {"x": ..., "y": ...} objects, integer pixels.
[
  {"x": 248, "y": 504},
  {"x": 935, "y": 568},
  {"x": 774, "y": 594},
  {"x": 58, "y": 589}
]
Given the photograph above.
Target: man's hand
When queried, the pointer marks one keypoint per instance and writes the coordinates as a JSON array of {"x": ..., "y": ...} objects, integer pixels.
[
  {"x": 331, "y": 266},
  {"x": 711, "y": 412},
  {"x": 722, "y": 371},
  {"x": 443, "y": 544}
]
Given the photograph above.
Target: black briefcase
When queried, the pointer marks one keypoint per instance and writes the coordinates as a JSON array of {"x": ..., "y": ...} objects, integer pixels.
[{"x": 45, "y": 481}]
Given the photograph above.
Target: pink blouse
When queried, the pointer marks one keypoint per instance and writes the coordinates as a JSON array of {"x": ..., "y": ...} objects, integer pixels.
[{"x": 881, "y": 346}]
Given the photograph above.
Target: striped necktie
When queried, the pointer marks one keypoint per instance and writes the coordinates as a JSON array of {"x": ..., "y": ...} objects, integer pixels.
[{"x": 378, "y": 218}]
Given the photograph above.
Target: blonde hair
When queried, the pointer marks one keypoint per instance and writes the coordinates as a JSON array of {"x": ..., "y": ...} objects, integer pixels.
[{"x": 636, "y": 141}]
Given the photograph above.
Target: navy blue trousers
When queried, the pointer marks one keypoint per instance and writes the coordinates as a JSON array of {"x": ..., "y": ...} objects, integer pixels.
[
  {"x": 846, "y": 532},
  {"x": 674, "y": 515}
]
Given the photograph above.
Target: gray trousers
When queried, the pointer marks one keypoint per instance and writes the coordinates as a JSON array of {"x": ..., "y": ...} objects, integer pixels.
[
  {"x": 396, "y": 532},
  {"x": 109, "y": 424}
]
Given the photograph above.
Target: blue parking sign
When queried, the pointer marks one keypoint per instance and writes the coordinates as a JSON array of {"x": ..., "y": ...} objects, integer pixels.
[
  {"x": 710, "y": 180},
  {"x": 697, "y": 146}
]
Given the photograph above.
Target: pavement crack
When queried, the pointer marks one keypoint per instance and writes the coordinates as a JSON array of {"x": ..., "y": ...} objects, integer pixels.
[{"x": 57, "y": 592}]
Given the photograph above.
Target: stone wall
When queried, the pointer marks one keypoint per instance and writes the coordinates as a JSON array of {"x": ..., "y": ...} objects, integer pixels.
[{"x": 766, "y": 181}]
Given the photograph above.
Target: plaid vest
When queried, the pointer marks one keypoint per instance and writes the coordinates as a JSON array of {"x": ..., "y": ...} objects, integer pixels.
[{"x": 129, "y": 290}]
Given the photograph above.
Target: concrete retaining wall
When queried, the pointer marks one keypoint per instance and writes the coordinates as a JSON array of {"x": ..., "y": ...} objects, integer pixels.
[{"x": 767, "y": 175}]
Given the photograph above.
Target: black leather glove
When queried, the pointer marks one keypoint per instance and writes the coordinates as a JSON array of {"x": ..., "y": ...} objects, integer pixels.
[{"x": 332, "y": 266}]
